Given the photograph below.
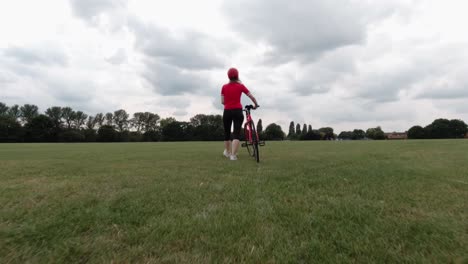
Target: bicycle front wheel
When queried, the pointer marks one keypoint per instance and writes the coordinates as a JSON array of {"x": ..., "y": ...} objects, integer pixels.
[{"x": 256, "y": 154}]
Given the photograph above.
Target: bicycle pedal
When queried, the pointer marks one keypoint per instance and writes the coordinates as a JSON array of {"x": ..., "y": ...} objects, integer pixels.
[{"x": 261, "y": 143}]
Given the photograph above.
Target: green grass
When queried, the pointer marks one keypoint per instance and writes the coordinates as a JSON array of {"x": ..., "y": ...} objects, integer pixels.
[{"x": 306, "y": 202}]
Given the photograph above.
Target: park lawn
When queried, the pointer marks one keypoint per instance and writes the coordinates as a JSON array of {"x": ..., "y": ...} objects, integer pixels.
[{"x": 321, "y": 202}]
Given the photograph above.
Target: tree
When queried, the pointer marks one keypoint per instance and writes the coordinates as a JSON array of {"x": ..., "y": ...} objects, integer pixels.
[
  {"x": 107, "y": 133},
  {"x": 310, "y": 129},
  {"x": 166, "y": 121},
  {"x": 358, "y": 134},
  {"x": 416, "y": 132},
  {"x": 375, "y": 133},
  {"x": 99, "y": 119},
  {"x": 428, "y": 131},
  {"x": 259, "y": 127},
  {"x": 304, "y": 130},
  {"x": 177, "y": 131},
  {"x": 55, "y": 114},
  {"x": 72, "y": 135},
  {"x": 298, "y": 130},
  {"x": 28, "y": 112},
  {"x": 109, "y": 119},
  {"x": 68, "y": 115},
  {"x": 10, "y": 129},
  {"x": 312, "y": 135},
  {"x": 152, "y": 136},
  {"x": 79, "y": 119},
  {"x": 292, "y": 132},
  {"x": 14, "y": 112},
  {"x": 207, "y": 127},
  {"x": 91, "y": 123},
  {"x": 39, "y": 129},
  {"x": 327, "y": 133},
  {"x": 138, "y": 121},
  {"x": 121, "y": 120},
  {"x": 3, "y": 109},
  {"x": 458, "y": 128},
  {"x": 90, "y": 135},
  {"x": 273, "y": 132},
  {"x": 151, "y": 121},
  {"x": 346, "y": 135},
  {"x": 440, "y": 128}
]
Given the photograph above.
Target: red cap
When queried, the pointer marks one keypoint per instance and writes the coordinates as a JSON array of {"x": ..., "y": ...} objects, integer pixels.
[{"x": 233, "y": 73}]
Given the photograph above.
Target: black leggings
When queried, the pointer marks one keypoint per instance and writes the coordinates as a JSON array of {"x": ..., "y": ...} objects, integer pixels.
[{"x": 229, "y": 116}]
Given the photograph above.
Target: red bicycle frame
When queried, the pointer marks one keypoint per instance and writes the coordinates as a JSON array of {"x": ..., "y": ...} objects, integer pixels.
[{"x": 248, "y": 126}]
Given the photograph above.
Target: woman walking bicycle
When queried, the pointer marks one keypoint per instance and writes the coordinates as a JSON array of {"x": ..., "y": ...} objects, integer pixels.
[{"x": 231, "y": 99}]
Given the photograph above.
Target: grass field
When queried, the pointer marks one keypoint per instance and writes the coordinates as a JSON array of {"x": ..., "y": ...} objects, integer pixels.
[{"x": 306, "y": 202}]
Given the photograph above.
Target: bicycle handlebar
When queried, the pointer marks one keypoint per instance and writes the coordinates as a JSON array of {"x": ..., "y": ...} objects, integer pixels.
[{"x": 250, "y": 107}]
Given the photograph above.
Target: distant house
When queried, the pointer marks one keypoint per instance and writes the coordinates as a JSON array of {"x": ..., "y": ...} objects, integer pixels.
[
  {"x": 396, "y": 135},
  {"x": 466, "y": 135}
]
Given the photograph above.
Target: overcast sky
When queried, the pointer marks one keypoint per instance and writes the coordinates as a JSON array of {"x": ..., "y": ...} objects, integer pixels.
[{"x": 340, "y": 63}]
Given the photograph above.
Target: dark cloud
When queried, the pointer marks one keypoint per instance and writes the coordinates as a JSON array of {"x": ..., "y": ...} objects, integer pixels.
[
  {"x": 180, "y": 113},
  {"x": 35, "y": 56},
  {"x": 189, "y": 50},
  {"x": 322, "y": 75},
  {"x": 170, "y": 80},
  {"x": 70, "y": 91},
  {"x": 87, "y": 9},
  {"x": 302, "y": 30},
  {"x": 442, "y": 93},
  {"x": 385, "y": 87},
  {"x": 175, "y": 64}
]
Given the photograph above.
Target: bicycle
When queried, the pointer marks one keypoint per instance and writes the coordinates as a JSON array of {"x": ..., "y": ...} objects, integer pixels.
[{"x": 252, "y": 141}]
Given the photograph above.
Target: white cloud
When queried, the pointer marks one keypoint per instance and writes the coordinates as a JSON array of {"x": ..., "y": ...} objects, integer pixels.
[{"x": 341, "y": 63}]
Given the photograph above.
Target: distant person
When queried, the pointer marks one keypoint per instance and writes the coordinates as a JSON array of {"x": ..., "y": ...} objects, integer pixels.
[{"x": 231, "y": 99}]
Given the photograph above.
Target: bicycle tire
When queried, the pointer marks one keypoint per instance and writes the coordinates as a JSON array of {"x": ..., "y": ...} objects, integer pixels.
[
  {"x": 256, "y": 154},
  {"x": 247, "y": 143}
]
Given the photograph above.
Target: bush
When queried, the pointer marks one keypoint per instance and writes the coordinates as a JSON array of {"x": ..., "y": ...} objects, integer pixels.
[
  {"x": 40, "y": 129},
  {"x": 107, "y": 134},
  {"x": 72, "y": 136},
  {"x": 90, "y": 135},
  {"x": 151, "y": 136},
  {"x": 10, "y": 130}
]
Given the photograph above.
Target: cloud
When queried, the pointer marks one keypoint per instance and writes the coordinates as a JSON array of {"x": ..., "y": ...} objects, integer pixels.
[
  {"x": 119, "y": 57},
  {"x": 187, "y": 50},
  {"x": 46, "y": 56},
  {"x": 6, "y": 77},
  {"x": 88, "y": 9},
  {"x": 303, "y": 30},
  {"x": 325, "y": 73},
  {"x": 170, "y": 80},
  {"x": 175, "y": 64}
]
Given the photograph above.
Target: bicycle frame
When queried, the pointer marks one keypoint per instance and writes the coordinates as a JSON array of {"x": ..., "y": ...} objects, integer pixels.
[{"x": 248, "y": 124}]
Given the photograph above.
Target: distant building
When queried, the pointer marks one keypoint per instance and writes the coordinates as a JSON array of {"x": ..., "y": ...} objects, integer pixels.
[
  {"x": 396, "y": 135},
  {"x": 466, "y": 135}
]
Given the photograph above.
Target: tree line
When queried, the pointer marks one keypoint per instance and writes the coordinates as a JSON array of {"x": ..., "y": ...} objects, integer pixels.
[
  {"x": 327, "y": 133},
  {"x": 64, "y": 124},
  {"x": 439, "y": 129}
]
